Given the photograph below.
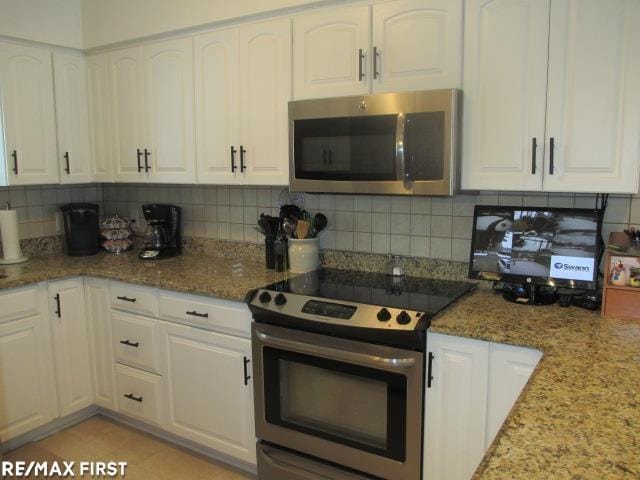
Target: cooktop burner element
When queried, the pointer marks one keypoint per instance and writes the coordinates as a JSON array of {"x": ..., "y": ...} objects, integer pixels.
[{"x": 360, "y": 305}]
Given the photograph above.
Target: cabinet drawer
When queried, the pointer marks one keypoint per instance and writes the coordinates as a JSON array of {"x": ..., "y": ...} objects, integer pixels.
[
  {"x": 133, "y": 298},
  {"x": 139, "y": 393},
  {"x": 19, "y": 303},
  {"x": 221, "y": 315},
  {"x": 135, "y": 341}
]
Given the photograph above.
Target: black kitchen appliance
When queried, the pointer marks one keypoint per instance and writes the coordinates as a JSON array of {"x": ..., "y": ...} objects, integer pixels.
[
  {"x": 162, "y": 238},
  {"x": 338, "y": 369},
  {"x": 81, "y": 231}
]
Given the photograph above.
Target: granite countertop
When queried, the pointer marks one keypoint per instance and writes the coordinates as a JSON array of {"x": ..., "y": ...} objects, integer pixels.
[
  {"x": 221, "y": 277},
  {"x": 579, "y": 415},
  {"x": 577, "y": 418}
]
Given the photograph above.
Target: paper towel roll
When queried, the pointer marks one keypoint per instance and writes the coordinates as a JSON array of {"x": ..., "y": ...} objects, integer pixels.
[{"x": 9, "y": 234}]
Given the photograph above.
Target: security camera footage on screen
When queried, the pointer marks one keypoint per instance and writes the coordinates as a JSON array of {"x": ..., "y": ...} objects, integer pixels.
[{"x": 536, "y": 243}]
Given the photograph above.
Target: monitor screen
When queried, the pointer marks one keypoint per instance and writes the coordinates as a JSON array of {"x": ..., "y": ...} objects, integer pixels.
[{"x": 544, "y": 246}]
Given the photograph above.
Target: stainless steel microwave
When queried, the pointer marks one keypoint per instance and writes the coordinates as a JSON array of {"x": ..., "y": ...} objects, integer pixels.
[{"x": 391, "y": 143}]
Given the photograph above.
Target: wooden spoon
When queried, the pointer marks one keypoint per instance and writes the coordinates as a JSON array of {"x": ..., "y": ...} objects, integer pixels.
[{"x": 302, "y": 228}]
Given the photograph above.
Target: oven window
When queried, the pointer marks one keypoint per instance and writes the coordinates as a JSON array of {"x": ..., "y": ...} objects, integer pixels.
[
  {"x": 361, "y": 407},
  {"x": 346, "y": 148}
]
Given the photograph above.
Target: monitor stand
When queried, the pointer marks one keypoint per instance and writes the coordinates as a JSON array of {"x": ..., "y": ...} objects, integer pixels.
[{"x": 529, "y": 294}]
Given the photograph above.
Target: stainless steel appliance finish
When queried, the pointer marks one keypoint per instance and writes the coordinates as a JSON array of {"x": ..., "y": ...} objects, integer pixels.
[
  {"x": 395, "y": 143},
  {"x": 306, "y": 435}
]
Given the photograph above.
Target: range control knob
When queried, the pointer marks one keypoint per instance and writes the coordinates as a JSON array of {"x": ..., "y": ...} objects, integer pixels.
[
  {"x": 264, "y": 297},
  {"x": 384, "y": 315},
  {"x": 280, "y": 299},
  {"x": 403, "y": 318}
]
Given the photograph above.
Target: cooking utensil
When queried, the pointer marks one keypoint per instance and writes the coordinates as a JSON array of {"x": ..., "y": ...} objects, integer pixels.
[
  {"x": 290, "y": 211},
  {"x": 265, "y": 226},
  {"x": 289, "y": 227},
  {"x": 319, "y": 223},
  {"x": 302, "y": 229}
]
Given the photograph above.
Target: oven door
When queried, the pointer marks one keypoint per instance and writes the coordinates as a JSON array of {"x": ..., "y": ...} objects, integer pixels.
[{"x": 351, "y": 403}]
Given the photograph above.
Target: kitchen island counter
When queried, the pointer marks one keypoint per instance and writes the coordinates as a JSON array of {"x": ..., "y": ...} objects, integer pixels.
[{"x": 579, "y": 415}]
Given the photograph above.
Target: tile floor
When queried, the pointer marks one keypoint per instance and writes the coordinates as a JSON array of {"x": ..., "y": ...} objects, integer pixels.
[{"x": 99, "y": 438}]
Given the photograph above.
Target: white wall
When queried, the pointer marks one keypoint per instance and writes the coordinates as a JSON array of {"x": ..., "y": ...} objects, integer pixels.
[
  {"x": 111, "y": 21},
  {"x": 50, "y": 21}
]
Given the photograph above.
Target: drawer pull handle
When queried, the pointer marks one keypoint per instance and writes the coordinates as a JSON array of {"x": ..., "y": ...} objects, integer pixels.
[
  {"x": 126, "y": 299},
  {"x": 197, "y": 314},
  {"x": 131, "y": 396},
  {"x": 58, "y": 312},
  {"x": 247, "y": 377},
  {"x": 129, "y": 343}
]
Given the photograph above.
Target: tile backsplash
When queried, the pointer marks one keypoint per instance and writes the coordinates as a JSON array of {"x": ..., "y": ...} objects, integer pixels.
[{"x": 434, "y": 227}]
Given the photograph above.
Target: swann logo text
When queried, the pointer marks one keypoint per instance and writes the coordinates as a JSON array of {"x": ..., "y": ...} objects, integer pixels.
[{"x": 575, "y": 268}]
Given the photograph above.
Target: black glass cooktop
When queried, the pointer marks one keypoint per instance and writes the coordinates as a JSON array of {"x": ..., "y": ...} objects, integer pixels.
[{"x": 410, "y": 293}]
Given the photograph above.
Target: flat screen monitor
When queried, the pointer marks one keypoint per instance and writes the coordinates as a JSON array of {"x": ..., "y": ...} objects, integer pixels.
[{"x": 536, "y": 246}]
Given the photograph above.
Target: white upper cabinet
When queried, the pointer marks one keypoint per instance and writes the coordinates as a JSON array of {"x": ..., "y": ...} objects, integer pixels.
[
  {"x": 99, "y": 122},
  {"x": 417, "y": 45},
  {"x": 594, "y": 96},
  {"x": 331, "y": 52},
  {"x": 265, "y": 90},
  {"x": 217, "y": 95},
  {"x": 504, "y": 91},
  {"x": 72, "y": 114},
  {"x": 127, "y": 114},
  {"x": 169, "y": 103},
  {"x": 26, "y": 81}
]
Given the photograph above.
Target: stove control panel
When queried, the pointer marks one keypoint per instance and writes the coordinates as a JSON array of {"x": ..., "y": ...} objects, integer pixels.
[{"x": 336, "y": 312}]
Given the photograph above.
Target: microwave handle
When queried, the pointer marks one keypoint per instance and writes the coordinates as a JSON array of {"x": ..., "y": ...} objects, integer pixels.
[{"x": 403, "y": 172}]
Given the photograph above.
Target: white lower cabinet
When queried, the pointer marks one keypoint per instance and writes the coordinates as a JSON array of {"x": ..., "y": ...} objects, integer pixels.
[
  {"x": 473, "y": 387},
  {"x": 139, "y": 394},
  {"x": 26, "y": 362},
  {"x": 208, "y": 390},
  {"x": 69, "y": 332},
  {"x": 96, "y": 295}
]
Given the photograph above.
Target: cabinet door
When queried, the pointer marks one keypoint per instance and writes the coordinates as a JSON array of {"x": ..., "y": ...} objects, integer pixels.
[
  {"x": 455, "y": 407},
  {"x": 217, "y": 78},
  {"x": 330, "y": 53},
  {"x": 99, "y": 124},
  {"x": 399, "y": 27},
  {"x": 509, "y": 371},
  {"x": 594, "y": 96},
  {"x": 504, "y": 85},
  {"x": 127, "y": 114},
  {"x": 209, "y": 400},
  {"x": 72, "y": 115},
  {"x": 265, "y": 70},
  {"x": 70, "y": 336},
  {"x": 29, "y": 117},
  {"x": 27, "y": 398},
  {"x": 96, "y": 295},
  {"x": 168, "y": 91}
]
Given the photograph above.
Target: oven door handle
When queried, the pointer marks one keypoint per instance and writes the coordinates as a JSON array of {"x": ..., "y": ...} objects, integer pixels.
[
  {"x": 402, "y": 173},
  {"x": 387, "y": 363}
]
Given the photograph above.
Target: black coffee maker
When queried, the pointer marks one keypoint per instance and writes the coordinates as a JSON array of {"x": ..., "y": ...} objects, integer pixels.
[
  {"x": 162, "y": 238},
  {"x": 81, "y": 232}
]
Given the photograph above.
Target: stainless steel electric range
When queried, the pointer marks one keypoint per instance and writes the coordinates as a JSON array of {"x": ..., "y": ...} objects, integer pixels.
[{"x": 339, "y": 373}]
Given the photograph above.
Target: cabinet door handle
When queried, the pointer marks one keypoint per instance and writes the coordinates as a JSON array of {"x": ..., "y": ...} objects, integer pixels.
[
  {"x": 139, "y": 154},
  {"x": 551, "y": 148},
  {"x": 129, "y": 343},
  {"x": 147, "y": 154},
  {"x": 376, "y": 54},
  {"x": 58, "y": 312},
  {"x": 197, "y": 314},
  {"x": 131, "y": 396},
  {"x": 243, "y": 167},
  {"x": 66, "y": 159},
  {"x": 430, "y": 369},
  {"x": 15, "y": 161},
  {"x": 126, "y": 299},
  {"x": 247, "y": 377},
  {"x": 360, "y": 65},
  {"x": 330, "y": 157},
  {"x": 534, "y": 148},
  {"x": 324, "y": 156},
  {"x": 233, "y": 159}
]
